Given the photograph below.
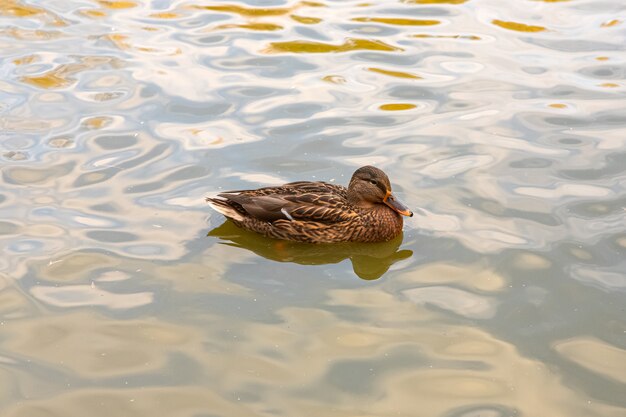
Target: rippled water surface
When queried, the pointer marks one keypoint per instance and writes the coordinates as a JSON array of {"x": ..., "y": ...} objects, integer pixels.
[{"x": 502, "y": 124}]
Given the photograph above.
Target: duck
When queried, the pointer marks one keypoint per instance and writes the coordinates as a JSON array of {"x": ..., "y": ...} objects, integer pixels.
[{"x": 319, "y": 212}]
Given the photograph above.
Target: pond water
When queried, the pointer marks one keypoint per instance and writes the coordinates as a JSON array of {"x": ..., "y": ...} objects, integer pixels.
[{"x": 501, "y": 124}]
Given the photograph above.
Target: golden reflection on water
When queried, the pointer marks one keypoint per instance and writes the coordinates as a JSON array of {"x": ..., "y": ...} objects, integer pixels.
[
  {"x": 118, "y": 40},
  {"x": 335, "y": 79},
  {"x": 25, "y": 60},
  {"x": 310, "y": 47},
  {"x": 398, "y": 21},
  {"x": 252, "y": 26},
  {"x": 63, "y": 75},
  {"x": 112, "y": 4},
  {"x": 245, "y": 11},
  {"x": 93, "y": 13},
  {"x": 398, "y": 74},
  {"x": 165, "y": 15},
  {"x": 397, "y": 106},
  {"x": 257, "y": 11},
  {"x": 306, "y": 19},
  {"x": 611, "y": 23},
  {"x": 369, "y": 261},
  {"x": 17, "y": 9},
  {"x": 27, "y": 34},
  {"x": 518, "y": 27}
]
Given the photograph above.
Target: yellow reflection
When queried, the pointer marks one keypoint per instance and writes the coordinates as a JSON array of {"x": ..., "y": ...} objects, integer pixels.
[
  {"x": 397, "y": 74},
  {"x": 253, "y": 26},
  {"x": 310, "y": 47},
  {"x": 558, "y": 105},
  {"x": 202, "y": 133},
  {"x": 61, "y": 76},
  {"x": 369, "y": 260},
  {"x": 397, "y": 106},
  {"x": 29, "y": 59},
  {"x": 13, "y": 8},
  {"x": 463, "y": 37},
  {"x": 261, "y": 11},
  {"x": 93, "y": 13},
  {"x": 47, "y": 81},
  {"x": 97, "y": 122},
  {"x": 246, "y": 11},
  {"x": 111, "y": 4},
  {"x": 165, "y": 15},
  {"x": 397, "y": 21},
  {"x": 118, "y": 40},
  {"x": 335, "y": 79},
  {"x": 611, "y": 23},
  {"x": 518, "y": 27},
  {"x": 306, "y": 20},
  {"x": 25, "y": 34},
  {"x": 609, "y": 85}
]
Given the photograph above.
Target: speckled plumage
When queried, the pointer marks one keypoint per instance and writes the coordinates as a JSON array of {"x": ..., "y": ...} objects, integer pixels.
[{"x": 318, "y": 212}]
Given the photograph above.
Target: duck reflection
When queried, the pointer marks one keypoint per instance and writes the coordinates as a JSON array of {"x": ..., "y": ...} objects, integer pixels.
[{"x": 369, "y": 260}]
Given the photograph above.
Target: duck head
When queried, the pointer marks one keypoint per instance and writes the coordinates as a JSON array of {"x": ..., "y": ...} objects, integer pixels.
[{"x": 369, "y": 186}]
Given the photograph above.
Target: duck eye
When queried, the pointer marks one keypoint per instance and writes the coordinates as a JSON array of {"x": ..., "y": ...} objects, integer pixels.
[{"x": 373, "y": 182}]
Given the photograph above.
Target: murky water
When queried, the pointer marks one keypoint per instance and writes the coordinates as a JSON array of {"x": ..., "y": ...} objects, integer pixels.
[{"x": 502, "y": 124}]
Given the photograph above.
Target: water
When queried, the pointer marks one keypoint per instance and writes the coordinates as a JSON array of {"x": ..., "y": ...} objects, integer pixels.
[{"x": 500, "y": 125}]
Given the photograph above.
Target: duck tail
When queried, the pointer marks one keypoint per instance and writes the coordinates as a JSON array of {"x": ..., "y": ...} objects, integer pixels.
[{"x": 223, "y": 206}]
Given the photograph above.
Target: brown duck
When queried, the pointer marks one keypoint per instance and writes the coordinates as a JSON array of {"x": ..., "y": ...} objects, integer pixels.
[{"x": 318, "y": 212}]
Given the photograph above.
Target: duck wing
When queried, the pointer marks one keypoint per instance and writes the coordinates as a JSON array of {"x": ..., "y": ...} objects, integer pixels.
[
  {"x": 295, "y": 188},
  {"x": 299, "y": 201}
]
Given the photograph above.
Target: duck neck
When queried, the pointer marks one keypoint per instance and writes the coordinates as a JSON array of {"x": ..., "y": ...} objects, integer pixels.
[{"x": 355, "y": 199}]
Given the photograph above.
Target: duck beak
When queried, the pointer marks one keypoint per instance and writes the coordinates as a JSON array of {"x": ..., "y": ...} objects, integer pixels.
[{"x": 392, "y": 202}]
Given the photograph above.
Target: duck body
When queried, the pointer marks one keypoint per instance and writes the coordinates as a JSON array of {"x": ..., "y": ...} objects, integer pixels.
[{"x": 319, "y": 212}]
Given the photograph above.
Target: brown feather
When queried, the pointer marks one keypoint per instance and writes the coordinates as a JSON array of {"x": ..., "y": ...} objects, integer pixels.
[{"x": 317, "y": 212}]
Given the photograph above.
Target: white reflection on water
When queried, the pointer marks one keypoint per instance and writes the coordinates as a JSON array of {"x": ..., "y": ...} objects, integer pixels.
[
  {"x": 458, "y": 301},
  {"x": 89, "y": 295},
  {"x": 565, "y": 190},
  {"x": 609, "y": 281}
]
